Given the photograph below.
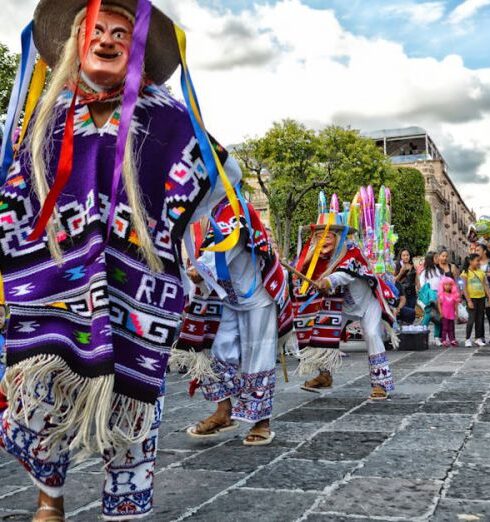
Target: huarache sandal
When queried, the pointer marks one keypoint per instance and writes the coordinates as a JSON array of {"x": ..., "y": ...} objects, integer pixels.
[
  {"x": 58, "y": 515},
  {"x": 259, "y": 437},
  {"x": 210, "y": 428},
  {"x": 378, "y": 394},
  {"x": 321, "y": 381}
]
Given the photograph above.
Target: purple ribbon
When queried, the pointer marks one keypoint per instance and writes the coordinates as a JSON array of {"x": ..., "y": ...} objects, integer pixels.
[{"x": 130, "y": 97}]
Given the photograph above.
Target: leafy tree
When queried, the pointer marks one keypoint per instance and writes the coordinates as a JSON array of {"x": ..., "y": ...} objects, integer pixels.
[
  {"x": 292, "y": 163},
  {"x": 8, "y": 67},
  {"x": 411, "y": 212},
  {"x": 286, "y": 166}
]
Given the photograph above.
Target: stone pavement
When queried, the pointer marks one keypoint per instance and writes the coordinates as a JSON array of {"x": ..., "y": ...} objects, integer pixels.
[{"x": 337, "y": 457}]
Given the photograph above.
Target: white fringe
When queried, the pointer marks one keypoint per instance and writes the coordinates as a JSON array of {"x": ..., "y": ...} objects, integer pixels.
[
  {"x": 198, "y": 364},
  {"x": 312, "y": 360},
  {"x": 395, "y": 340},
  {"x": 85, "y": 406},
  {"x": 289, "y": 343}
]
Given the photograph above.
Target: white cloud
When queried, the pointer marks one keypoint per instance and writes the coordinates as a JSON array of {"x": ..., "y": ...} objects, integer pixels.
[
  {"x": 289, "y": 60},
  {"x": 420, "y": 14},
  {"x": 466, "y": 10}
]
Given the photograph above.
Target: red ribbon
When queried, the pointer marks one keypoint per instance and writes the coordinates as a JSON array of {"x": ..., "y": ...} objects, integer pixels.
[
  {"x": 198, "y": 238},
  {"x": 302, "y": 257},
  {"x": 65, "y": 161}
]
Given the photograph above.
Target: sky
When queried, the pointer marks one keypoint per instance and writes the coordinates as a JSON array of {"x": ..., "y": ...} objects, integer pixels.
[{"x": 367, "y": 64}]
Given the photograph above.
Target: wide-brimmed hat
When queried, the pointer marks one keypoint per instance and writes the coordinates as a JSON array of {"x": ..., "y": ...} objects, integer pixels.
[{"x": 53, "y": 20}]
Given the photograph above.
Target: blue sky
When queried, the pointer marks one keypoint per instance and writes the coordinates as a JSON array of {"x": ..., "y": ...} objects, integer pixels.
[{"x": 390, "y": 19}]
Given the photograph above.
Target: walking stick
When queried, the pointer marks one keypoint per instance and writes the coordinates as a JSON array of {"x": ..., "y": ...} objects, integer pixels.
[
  {"x": 284, "y": 365},
  {"x": 300, "y": 275}
]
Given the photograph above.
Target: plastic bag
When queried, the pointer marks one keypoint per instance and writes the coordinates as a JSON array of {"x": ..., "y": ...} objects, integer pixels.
[{"x": 462, "y": 313}]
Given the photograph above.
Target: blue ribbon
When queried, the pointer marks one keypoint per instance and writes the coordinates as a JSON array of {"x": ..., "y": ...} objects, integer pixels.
[
  {"x": 308, "y": 302},
  {"x": 17, "y": 99},
  {"x": 250, "y": 292},
  {"x": 220, "y": 257},
  {"x": 201, "y": 134}
]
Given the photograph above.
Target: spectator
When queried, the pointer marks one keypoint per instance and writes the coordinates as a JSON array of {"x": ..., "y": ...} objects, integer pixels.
[
  {"x": 483, "y": 252},
  {"x": 448, "y": 300},
  {"x": 448, "y": 269},
  {"x": 475, "y": 291},
  {"x": 406, "y": 277},
  {"x": 429, "y": 280},
  {"x": 404, "y": 311}
]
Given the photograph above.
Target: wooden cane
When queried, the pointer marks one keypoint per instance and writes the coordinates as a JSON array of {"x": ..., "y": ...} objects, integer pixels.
[
  {"x": 300, "y": 275},
  {"x": 284, "y": 365}
]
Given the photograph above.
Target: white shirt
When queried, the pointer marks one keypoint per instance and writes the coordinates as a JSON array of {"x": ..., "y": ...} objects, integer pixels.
[
  {"x": 242, "y": 275},
  {"x": 358, "y": 296},
  {"x": 434, "y": 278}
]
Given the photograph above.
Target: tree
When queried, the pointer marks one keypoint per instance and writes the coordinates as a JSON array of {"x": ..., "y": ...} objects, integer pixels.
[
  {"x": 292, "y": 163},
  {"x": 8, "y": 68},
  {"x": 286, "y": 167},
  {"x": 411, "y": 212}
]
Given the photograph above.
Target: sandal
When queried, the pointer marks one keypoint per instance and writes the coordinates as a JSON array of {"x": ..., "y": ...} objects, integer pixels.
[
  {"x": 378, "y": 394},
  {"x": 210, "y": 428},
  {"x": 321, "y": 381},
  {"x": 263, "y": 437},
  {"x": 58, "y": 515}
]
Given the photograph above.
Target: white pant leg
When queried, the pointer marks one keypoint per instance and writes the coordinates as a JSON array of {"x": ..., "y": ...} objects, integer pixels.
[
  {"x": 226, "y": 359},
  {"x": 258, "y": 344},
  {"x": 372, "y": 328},
  {"x": 128, "y": 485},
  {"x": 47, "y": 466}
]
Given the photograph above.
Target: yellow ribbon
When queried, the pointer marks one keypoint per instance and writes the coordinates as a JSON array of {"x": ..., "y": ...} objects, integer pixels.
[
  {"x": 2, "y": 291},
  {"x": 230, "y": 241},
  {"x": 316, "y": 253},
  {"x": 35, "y": 90}
]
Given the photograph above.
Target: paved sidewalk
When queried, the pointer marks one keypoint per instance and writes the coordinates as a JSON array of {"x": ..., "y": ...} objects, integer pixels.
[{"x": 424, "y": 455}]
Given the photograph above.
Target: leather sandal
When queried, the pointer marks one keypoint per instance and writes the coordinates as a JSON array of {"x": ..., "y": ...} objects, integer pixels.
[
  {"x": 211, "y": 427},
  {"x": 58, "y": 514},
  {"x": 378, "y": 393},
  {"x": 321, "y": 381},
  {"x": 259, "y": 437}
]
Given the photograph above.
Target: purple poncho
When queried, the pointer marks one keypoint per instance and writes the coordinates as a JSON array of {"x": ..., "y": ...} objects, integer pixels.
[{"x": 102, "y": 323}]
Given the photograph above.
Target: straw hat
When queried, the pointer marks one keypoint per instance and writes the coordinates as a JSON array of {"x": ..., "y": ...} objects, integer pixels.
[{"x": 53, "y": 20}]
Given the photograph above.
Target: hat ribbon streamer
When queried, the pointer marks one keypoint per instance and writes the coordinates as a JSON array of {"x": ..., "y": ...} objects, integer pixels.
[
  {"x": 65, "y": 161},
  {"x": 210, "y": 157},
  {"x": 17, "y": 99}
]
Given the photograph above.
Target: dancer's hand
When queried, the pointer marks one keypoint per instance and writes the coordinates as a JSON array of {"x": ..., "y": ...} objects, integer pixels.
[
  {"x": 470, "y": 304},
  {"x": 194, "y": 276},
  {"x": 324, "y": 285}
]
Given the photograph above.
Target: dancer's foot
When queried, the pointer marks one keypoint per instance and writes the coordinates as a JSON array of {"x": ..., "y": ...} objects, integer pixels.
[
  {"x": 260, "y": 434},
  {"x": 322, "y": 381},
  {"x": 49, "y": 509},
  {"x": 378, "y": 393},
  {"x": 219, "y": 422}
]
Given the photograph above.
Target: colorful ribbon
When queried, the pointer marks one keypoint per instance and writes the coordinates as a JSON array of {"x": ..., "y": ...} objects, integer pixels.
[
  {"x": 17, "y": 99},
  {"x": 316, "y": 253},
  {"x": 250, "y": 292},
  {"x": 35, "y": 90},
  {"x": 130, "y": 96},
  {"x": 65, "y": 161},
  {"x": 210, "y": 157}
]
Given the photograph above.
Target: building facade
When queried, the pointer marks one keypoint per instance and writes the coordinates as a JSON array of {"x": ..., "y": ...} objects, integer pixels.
[{"x": 413, "y": 147}]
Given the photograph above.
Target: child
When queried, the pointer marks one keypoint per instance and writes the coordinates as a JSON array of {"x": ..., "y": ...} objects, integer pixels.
[
  {"x": 475, "y": 291},
  {"x": 447, "y": 301}
]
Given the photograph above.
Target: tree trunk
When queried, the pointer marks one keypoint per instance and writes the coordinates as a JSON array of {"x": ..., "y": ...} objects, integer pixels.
[{"x": 287, "y": 237}]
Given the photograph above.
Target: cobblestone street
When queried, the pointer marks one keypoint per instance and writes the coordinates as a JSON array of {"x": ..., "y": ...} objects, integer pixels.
[{"x": 337, "y": 457}]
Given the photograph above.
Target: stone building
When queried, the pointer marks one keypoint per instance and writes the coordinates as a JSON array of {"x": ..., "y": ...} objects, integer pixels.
[{"x": 413, "y": 147}]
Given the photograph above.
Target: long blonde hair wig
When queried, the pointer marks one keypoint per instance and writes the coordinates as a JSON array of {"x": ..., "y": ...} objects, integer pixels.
[{"x": 39, "y": 146}]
